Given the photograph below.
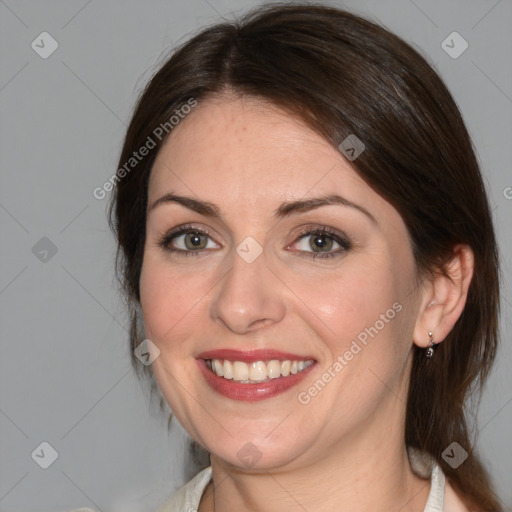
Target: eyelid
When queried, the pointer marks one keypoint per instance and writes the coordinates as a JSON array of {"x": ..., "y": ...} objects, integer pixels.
[{"x": 311, "y": 229}]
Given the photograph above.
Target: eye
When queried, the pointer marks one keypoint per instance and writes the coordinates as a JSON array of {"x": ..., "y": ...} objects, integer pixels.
[
  {"x": 187, "y": 240},
  {"x": 316, "y": 242},
  {"x": 321, "y": 243}
]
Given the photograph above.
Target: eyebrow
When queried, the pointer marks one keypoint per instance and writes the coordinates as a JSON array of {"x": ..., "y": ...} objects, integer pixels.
[{"x": 284, "y": 210}]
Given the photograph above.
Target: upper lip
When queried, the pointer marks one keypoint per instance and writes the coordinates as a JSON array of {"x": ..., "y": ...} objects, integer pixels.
[{"x": 249, "y": 356}]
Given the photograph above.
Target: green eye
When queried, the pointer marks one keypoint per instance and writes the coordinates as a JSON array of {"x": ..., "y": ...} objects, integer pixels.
[
  {"x": 187, "y": 240},
  {"x": 322, "y": 243}
]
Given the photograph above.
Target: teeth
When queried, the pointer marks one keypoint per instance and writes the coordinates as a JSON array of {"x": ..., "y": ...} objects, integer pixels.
[
  {"x": 273, "y": 369},
  {"x": 227, "y": 369},
  {"x": 219, "y": 367},
  {"x": 285, "y": 368},
  {"x": 257, "y": 371},
  {"x": 240, "y": 370}
]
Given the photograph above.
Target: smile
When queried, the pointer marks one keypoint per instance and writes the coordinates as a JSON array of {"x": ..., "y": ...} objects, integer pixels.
[{"x": 253, "y": 375}]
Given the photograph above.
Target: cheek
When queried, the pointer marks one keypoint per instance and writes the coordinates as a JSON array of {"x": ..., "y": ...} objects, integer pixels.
[
  {"x": 366, "y": 341},
  {"x": 168, "y": 298},
  {"x": 349, "y": 300}
]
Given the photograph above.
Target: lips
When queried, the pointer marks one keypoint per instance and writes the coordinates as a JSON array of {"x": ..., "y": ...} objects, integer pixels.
[
  {"x": 249, "y": 356},
  {"x": 225, "y": 371}
]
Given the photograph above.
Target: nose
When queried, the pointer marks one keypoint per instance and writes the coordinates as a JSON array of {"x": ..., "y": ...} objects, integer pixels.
[{"x": 248, "y": 297}]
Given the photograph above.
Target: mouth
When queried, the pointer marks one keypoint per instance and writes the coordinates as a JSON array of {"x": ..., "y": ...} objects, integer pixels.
[{"x": 255, "y": 375}]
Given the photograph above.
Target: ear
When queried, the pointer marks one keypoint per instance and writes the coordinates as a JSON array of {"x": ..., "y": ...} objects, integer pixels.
[{"x": 444, "y": 297}]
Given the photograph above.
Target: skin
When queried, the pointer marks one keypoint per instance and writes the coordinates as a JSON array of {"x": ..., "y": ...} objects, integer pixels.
[{"x": 344, "y": 450}]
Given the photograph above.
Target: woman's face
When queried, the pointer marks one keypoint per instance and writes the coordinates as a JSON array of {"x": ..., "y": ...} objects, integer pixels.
[{"x": 276, "y": 252}]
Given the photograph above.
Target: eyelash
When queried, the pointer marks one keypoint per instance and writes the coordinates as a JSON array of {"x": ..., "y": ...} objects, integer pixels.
[{"x": 342, "y": 240}]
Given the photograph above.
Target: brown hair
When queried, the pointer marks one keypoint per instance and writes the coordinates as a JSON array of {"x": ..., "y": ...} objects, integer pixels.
[{"x": 343, "y": 75}]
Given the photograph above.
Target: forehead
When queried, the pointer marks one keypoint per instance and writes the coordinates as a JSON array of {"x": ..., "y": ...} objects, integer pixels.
[{"x": 240, "y": 141}]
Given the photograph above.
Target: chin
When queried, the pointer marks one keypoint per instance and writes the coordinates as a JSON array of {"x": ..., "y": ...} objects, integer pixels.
[{"x": 253, "y": 451}]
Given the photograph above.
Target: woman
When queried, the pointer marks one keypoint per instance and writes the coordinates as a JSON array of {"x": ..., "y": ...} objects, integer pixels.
[{"x": 306, "y": 246}]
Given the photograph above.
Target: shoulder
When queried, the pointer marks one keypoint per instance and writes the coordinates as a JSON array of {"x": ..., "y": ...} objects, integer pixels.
[{"x": 188, "y": 496}]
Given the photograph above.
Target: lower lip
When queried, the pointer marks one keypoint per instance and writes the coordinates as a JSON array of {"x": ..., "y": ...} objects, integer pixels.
[{"x": 251, "y": 392}]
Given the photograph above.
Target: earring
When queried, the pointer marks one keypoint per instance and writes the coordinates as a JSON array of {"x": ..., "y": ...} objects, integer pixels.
[{"x": 430, "y": 350}]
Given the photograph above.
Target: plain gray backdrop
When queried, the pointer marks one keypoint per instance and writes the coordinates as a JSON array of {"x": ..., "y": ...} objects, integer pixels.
[{"x": 65, "y": 376}]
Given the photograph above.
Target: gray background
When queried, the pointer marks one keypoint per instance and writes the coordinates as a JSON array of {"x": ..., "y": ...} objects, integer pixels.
[{"x": 65, "y": 376}]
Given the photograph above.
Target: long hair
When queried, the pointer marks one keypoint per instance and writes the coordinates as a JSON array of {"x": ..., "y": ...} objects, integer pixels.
[{"x": 342, "y": 74}]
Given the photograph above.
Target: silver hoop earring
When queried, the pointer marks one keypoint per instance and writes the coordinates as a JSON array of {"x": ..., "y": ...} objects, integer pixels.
[{"x": 431, "y": 349}]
